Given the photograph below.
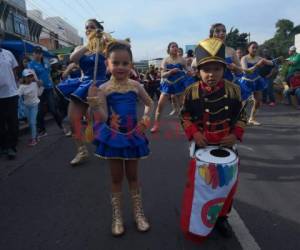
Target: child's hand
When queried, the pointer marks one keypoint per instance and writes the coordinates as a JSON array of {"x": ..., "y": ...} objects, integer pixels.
[
  {"x": 143, "y": 125},
  {"x": 200, "y": 139},
  {"x": 228, "y": 141},
  {"x": 175, "y": 70}
]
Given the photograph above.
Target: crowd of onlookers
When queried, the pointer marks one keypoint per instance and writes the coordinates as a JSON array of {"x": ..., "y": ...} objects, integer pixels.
[{"x": 27, "y": 91}]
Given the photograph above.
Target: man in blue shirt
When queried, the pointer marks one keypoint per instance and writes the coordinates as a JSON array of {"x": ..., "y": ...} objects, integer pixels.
[{"x": 43, "y": 74}]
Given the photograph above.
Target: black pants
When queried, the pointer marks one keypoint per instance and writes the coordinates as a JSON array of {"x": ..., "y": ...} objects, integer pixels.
[
  {"x": 153, "y": 90},
  {"x": 47, "y": 98},
  {"x": 9, "y": 124}
]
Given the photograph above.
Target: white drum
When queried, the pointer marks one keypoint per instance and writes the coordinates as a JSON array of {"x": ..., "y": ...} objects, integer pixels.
[{"x": 214, "y": 175}]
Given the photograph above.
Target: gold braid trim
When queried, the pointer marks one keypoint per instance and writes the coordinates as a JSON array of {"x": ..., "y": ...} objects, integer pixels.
[
  {"x": 232, "y": 90},
  {"x": 192, "y": 91}
]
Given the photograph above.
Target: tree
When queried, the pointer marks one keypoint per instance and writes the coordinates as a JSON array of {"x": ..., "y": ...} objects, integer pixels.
[
  {"x": 283, "y": 38},
  {"x": 235, "y": 39}
]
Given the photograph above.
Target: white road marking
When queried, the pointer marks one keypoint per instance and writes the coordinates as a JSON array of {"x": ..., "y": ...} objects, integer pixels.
[
  {"x": 240, "y": 146},
  {"x": 241, "y": 232}
]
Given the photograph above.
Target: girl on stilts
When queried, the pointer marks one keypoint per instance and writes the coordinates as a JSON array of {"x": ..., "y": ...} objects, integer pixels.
[
  {"x": 173, "y": 82},
  {"x": 119, "y": 136}
]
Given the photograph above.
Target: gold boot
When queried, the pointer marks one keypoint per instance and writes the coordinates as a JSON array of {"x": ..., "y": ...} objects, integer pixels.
[
  {"x": 117, "y": 227},
  {"x": 81, "y": 156},
  {"x": 141, "y": 221}
]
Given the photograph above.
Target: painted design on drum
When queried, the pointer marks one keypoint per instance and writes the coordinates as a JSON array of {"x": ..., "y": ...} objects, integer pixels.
[
  {"x": 217, "y": 175},
  {"x": 211, "y": 210}
]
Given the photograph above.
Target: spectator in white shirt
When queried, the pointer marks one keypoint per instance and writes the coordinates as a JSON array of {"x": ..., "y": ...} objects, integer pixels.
[{"x": 8, "y": 103}]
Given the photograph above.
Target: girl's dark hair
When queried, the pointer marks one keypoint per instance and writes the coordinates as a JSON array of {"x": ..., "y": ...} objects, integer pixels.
[
  {"x": 97, "y": 23},
  {"x": 190, "y": 53},
  {"x": 251, "y": 43},
  {"x": 118, "y": 46},
  {"x": 169, "y": 46},
  {"x": 213, "y": 27}
]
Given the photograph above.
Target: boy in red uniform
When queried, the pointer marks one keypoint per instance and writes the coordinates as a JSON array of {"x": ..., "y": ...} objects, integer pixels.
[{"x": 211, "y": 114}]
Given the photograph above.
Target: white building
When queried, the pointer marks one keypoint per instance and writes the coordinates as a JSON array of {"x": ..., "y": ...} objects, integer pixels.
[
  {"x": 297, "y": 42},
  {"x": 64, "y": 30},
  {"x": 56, "y": 33},
  {"x": 155, "y": 62}
]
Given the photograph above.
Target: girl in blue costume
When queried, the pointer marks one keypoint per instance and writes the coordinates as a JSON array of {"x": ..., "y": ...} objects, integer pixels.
[
  {"x": 174, "y": 81},
  {"x": 119, "y": 136},
  {"x": 76, "y": 90},
  {"x": 251, "y": 82},
  {"x": 218, "y": 30}
]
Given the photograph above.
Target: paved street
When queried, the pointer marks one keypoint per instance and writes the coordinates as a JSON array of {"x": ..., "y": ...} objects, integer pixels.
[{"x": 46, "y": 204}]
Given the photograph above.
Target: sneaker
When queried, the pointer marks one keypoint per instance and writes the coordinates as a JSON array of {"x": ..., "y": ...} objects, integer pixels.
[
  {"x": 42, "y": 134},
  {"x": 254, "y": 122},
  {"x": 155, "y": 128},
  {"x": 68, "y": 133},
  {"x": 173, "y": 112},
  {"x": 11, "y": 153},
  {"x": 272, "y": 104},
  {"x": 223, "y": 227},
  {"x": 32, "y": 142}
]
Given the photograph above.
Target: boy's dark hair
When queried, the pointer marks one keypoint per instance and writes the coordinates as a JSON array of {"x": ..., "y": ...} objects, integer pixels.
[
  {"x": 213, "y": 27},
  {"x": 118, "y": 46},
  {"x": 97, "y": 23},
  {"x": 169, "y": 46}
]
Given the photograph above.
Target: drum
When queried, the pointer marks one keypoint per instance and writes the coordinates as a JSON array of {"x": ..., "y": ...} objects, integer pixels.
[{"x": 212, "y": 176}]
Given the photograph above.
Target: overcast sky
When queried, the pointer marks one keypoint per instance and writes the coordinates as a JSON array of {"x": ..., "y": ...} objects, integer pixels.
[{"x": 152, "y": 24}]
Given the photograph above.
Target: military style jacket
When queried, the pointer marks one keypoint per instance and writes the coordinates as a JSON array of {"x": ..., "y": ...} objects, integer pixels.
[{"x": 215, "y": 112}]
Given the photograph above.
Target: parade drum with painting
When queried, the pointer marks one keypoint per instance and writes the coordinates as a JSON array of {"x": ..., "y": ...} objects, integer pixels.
[{"x": 212, "y": 175}]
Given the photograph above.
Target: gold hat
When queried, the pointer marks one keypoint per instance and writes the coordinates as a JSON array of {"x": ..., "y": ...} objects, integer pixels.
[{"x": 210, "y": 50}]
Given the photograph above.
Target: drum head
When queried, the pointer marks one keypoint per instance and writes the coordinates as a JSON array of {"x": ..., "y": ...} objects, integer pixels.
[{"x": 216, "y": 155}]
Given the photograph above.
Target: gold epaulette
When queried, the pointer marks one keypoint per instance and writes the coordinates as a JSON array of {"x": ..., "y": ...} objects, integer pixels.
[
  {"x": 233, "y": 90},
  {"x": 192, "y": 92}
]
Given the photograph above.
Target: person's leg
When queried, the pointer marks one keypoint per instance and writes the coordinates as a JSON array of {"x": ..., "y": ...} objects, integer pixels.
[
  {"x": 52, "y": 108},
  {"x": 257, "y": 96},
  {"x": 265, "y": 92},
  {"x": 271, "y": 92},
  {"x": 287, "y": 96},
  {"x": 174, "y": 105},
  {"x": 3, "y": 126},
  {"x": 12, "y": 126},
  {"x": 117, "y": 174},
  {"x": 161, "y": 103},
  {"x": 41, "y": 114},
  {"x": 297, "y": 94},
  {"x": 131, "y": 168},
  {"x": 76, "y": 112}
]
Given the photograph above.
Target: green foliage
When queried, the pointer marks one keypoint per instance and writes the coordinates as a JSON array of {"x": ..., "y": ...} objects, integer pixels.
[
  {"x": 283, "y": 38},
  {"x": 235, "y": 39}
]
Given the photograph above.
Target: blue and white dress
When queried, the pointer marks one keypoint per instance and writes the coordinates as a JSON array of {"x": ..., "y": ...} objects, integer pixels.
[
  {"x": 251, "y": 82},
  {"x": 175, "y": 84},
  {"x": 123, "y": 142},
  {"x": 77, "y": 88}
]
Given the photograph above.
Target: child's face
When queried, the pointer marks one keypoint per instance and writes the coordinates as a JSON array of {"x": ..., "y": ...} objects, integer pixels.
[
  {"x": 119, "y": 64},
  {"x": 211, "y": 73},
  {"x": 28, "y": 79}
]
